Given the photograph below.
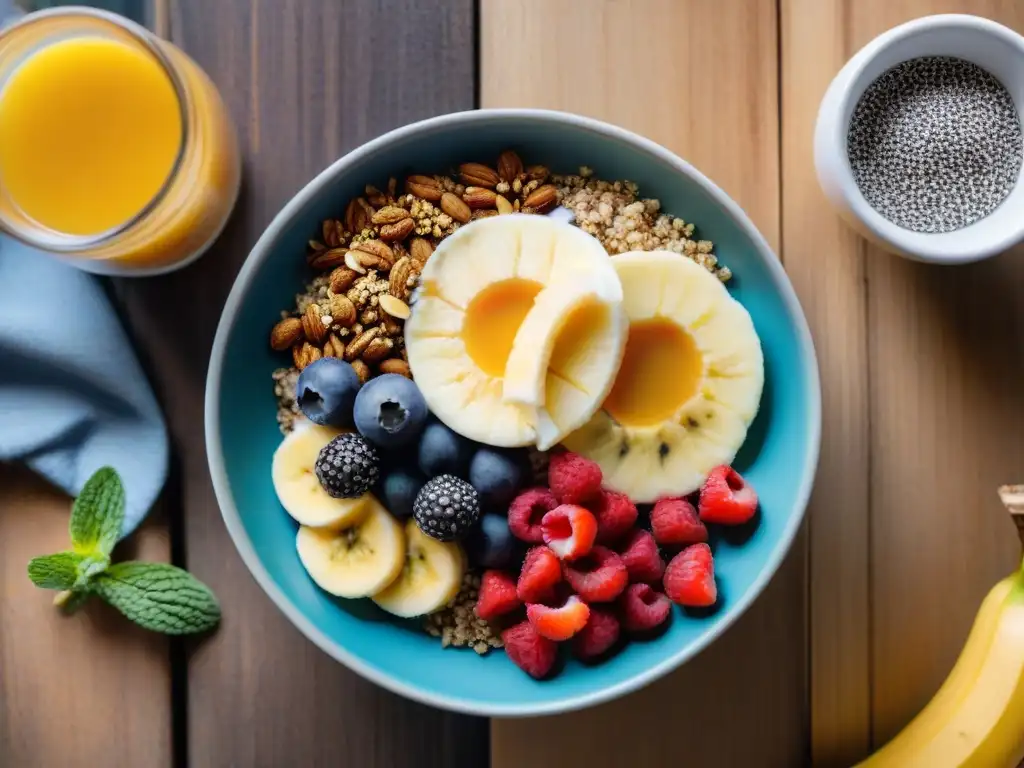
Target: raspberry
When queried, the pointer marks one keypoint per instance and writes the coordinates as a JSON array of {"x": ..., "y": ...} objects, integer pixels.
[
  {"x": 675, "y": 521},
  {"x": 569, "y": 531},
  {"x": 643, "y": 608},
  {"x": 600, "y": 634},
  {"x": 615, "y": 514},
  {"x": 573, "y": 479},
  {"x": 497, "y": 595},
  {"x": 532, "y": 653},
  {"x": 726, "y": 498},
  {"x": 598, "y": 577},
  {"x": 541, "y": 572},
  {"x": 526, "y": 511},
  {"x": 690, "y": 577},
  {"x": 559, "y": 623},
  {"x": 641, "y": 557}
]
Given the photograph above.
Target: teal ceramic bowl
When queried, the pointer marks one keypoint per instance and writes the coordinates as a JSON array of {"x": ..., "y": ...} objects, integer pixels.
[{"x": 779, "y": 457}]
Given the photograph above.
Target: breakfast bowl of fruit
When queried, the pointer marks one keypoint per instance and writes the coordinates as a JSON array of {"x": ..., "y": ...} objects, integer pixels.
[{"x": 512, "y": 412}]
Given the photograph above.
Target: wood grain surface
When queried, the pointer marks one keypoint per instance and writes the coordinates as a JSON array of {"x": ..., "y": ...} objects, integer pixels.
[
  {"x": 660, "y": 67},
  {"x": 305, "y": 82},
  {"x": 920, "y": 376},
  {"x": 87, "y": 689}
]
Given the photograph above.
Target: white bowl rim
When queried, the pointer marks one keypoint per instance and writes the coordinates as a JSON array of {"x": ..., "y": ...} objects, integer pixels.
[
  {"x": 923, "y": 247},
  {"x": 232, "y": 519}
]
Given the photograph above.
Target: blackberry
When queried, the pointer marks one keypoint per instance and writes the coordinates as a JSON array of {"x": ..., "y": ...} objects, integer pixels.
[
  {"x": 446, "y": 508},
  {"x": 347, "y": 467}
]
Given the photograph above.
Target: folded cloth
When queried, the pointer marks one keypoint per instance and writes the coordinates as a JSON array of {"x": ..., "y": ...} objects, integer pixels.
[{"x": 73, "y": 397}]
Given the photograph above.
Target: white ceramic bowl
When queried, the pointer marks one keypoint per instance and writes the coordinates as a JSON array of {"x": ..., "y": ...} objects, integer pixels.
[{"x": 991, "y": 46}]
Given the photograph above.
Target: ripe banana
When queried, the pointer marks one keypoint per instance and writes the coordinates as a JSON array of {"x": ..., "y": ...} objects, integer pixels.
[{"x": 976, "y": 720}]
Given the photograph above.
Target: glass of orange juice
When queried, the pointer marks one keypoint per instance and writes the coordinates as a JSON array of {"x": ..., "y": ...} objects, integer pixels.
[{"x": 116, "y": 151}]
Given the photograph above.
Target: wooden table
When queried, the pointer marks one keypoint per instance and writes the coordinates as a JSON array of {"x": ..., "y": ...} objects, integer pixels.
[{"x": 921, "y": 381}]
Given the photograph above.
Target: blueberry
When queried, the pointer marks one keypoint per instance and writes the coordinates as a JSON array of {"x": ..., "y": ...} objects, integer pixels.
[
  {"x": 326, "y": 392},
  {"x": 497, "y": 476},
  {"x": 443, "y": 452},
  {"x": 491, "y": 544},
  {"x": 390, "y": 411},
  {"x": 399, "y": 490}
]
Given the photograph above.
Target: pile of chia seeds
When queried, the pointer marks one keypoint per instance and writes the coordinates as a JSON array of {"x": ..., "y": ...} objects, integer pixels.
[{"x": 935, "y": 144}]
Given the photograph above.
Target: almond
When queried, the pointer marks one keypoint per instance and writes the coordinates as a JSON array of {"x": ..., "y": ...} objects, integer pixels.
[
  {"x": 542, "y": 199},
  {"x": 390, "y": 214},
  {"x": 305, "y": 353},
  {"x": 375, "y": 248},
  {"x": 391, "y": 325},
  {"x": 424, "y": 186},
  {"x": 392, "y": 187},
  {"x": 362, "y": 370},
  {"x": 537, "y": 173},
  {"x": 377, "y": 350},
  {"x": 454, "y": 207},
  {"x": 312, "y": 325},
  {"x": 483, "y": 214},
  {"x": 397, "y": 231},
  {"x": 353, "y": 262},
  {"x": 478, "y": 175},
  {"x": 329, "y": 259},
  {"x": 502, "y": 204},
  {"x": 334, "y": 347},
  {"x": 286, "y": 333},
  {"x": 398, "y": 278},
  {"x": 358, "y": 345},
  {"x": 394, "y": 307},
  {"x": 342, "y": 279},
  {"x": 343, "y": 311},
  {"x": 394, "y": 365},
  {"x": 330, "y": 233},
  {"x": 509, "y": 165},
  {"x": 479, "y": 197},
  {"x": 420, "y": 250},
  {"x": 316, "y": 245}
]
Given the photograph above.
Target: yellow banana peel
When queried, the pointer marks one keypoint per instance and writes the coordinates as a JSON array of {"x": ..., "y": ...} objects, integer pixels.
[{"x": 976, "y": 720}]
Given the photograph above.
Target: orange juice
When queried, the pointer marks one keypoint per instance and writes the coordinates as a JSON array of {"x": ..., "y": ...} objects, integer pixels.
[{"x": 116, "y": 150}]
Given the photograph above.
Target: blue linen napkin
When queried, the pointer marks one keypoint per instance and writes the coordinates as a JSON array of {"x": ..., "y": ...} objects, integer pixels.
[{"x": 73, "y": 397}]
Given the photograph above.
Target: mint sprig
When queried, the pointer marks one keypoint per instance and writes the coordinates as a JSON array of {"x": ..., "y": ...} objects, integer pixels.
[{"x": 157, "y": 596}]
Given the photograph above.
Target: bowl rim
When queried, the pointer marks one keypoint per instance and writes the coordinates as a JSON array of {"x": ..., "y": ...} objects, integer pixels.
[{"x": 232, "y": 519}]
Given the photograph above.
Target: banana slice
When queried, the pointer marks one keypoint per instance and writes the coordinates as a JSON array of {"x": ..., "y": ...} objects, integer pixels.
[
  {"x": 689, "y": 384},
  {"x": 357, "y": 561},
  {"x": 432, "y": 576},
  {"x": 296, "y": 484},
  {"x": 477, "y": 290}
]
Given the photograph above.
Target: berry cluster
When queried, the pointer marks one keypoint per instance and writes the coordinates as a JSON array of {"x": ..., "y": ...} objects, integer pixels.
[{"x": 595, "y": 577}]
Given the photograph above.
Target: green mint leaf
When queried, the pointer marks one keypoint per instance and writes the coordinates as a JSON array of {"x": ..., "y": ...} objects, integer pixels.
[
  {"x": 98, "y": 513},
  {"x": 69, "y": 601},
  {"x": 59, "y": 571},
  {"x": 159, "y": 597}
]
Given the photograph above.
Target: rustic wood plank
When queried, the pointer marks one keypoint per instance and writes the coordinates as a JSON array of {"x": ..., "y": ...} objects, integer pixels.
[
  {"x": 645, "y": 64},
  {"x": 89, "y": 689},
  {"x": 825, "y": 261},
  {"x": 305, "y": 82},
  {"x": 944, "y": 382}
]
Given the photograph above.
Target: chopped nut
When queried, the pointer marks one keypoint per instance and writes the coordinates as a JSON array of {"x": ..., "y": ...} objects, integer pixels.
[
  {"x": 342, "y": 310},
  {"x": 353, "y": 262},
  {"x": 393, "y": 365},
  {"x": 375, "y": 196},
  {"x": 334, "y": 347},
  {"x": 509, "y": 165},
  {"x": 375, "y": 248},
  {"x": 377, "y": 350},
  {"x": 368, "y": 317},
  {"x": 424, "y": 186},
  {"x": 342, "y": 278},
  {"x": 455, "y": 207},
  {"x": 316, "y": 245},
  {"x": 541, "y": 199},
  {"x": 398, "y": 231},
  {"x": 483, "y": 214},
  {"x": 479, "y": 197},
  {"x": 362, "y": 370},
  {"x": 503, "y": 205},
  {"x": 358, "y": 345},
  {"x": 330, "y": 233},
  {"x": 285, "y": 334},
  {"x": 395, "y": 307},
  {"x": 312, "y": 324},
  {"x": 398, "y": 278},
  {"x": 478, "y": 175},
  {"x": 327, "y": 259},
  {"x": 390, "y": 214},
  {"x": 305, "y": 353}
]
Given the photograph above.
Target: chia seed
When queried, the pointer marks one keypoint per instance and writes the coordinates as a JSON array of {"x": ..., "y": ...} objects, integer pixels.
[{"x": 935, "y": 144}]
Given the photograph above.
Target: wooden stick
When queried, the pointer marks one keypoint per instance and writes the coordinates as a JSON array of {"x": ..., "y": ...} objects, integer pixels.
[{"x": 1012, "y": 497}]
